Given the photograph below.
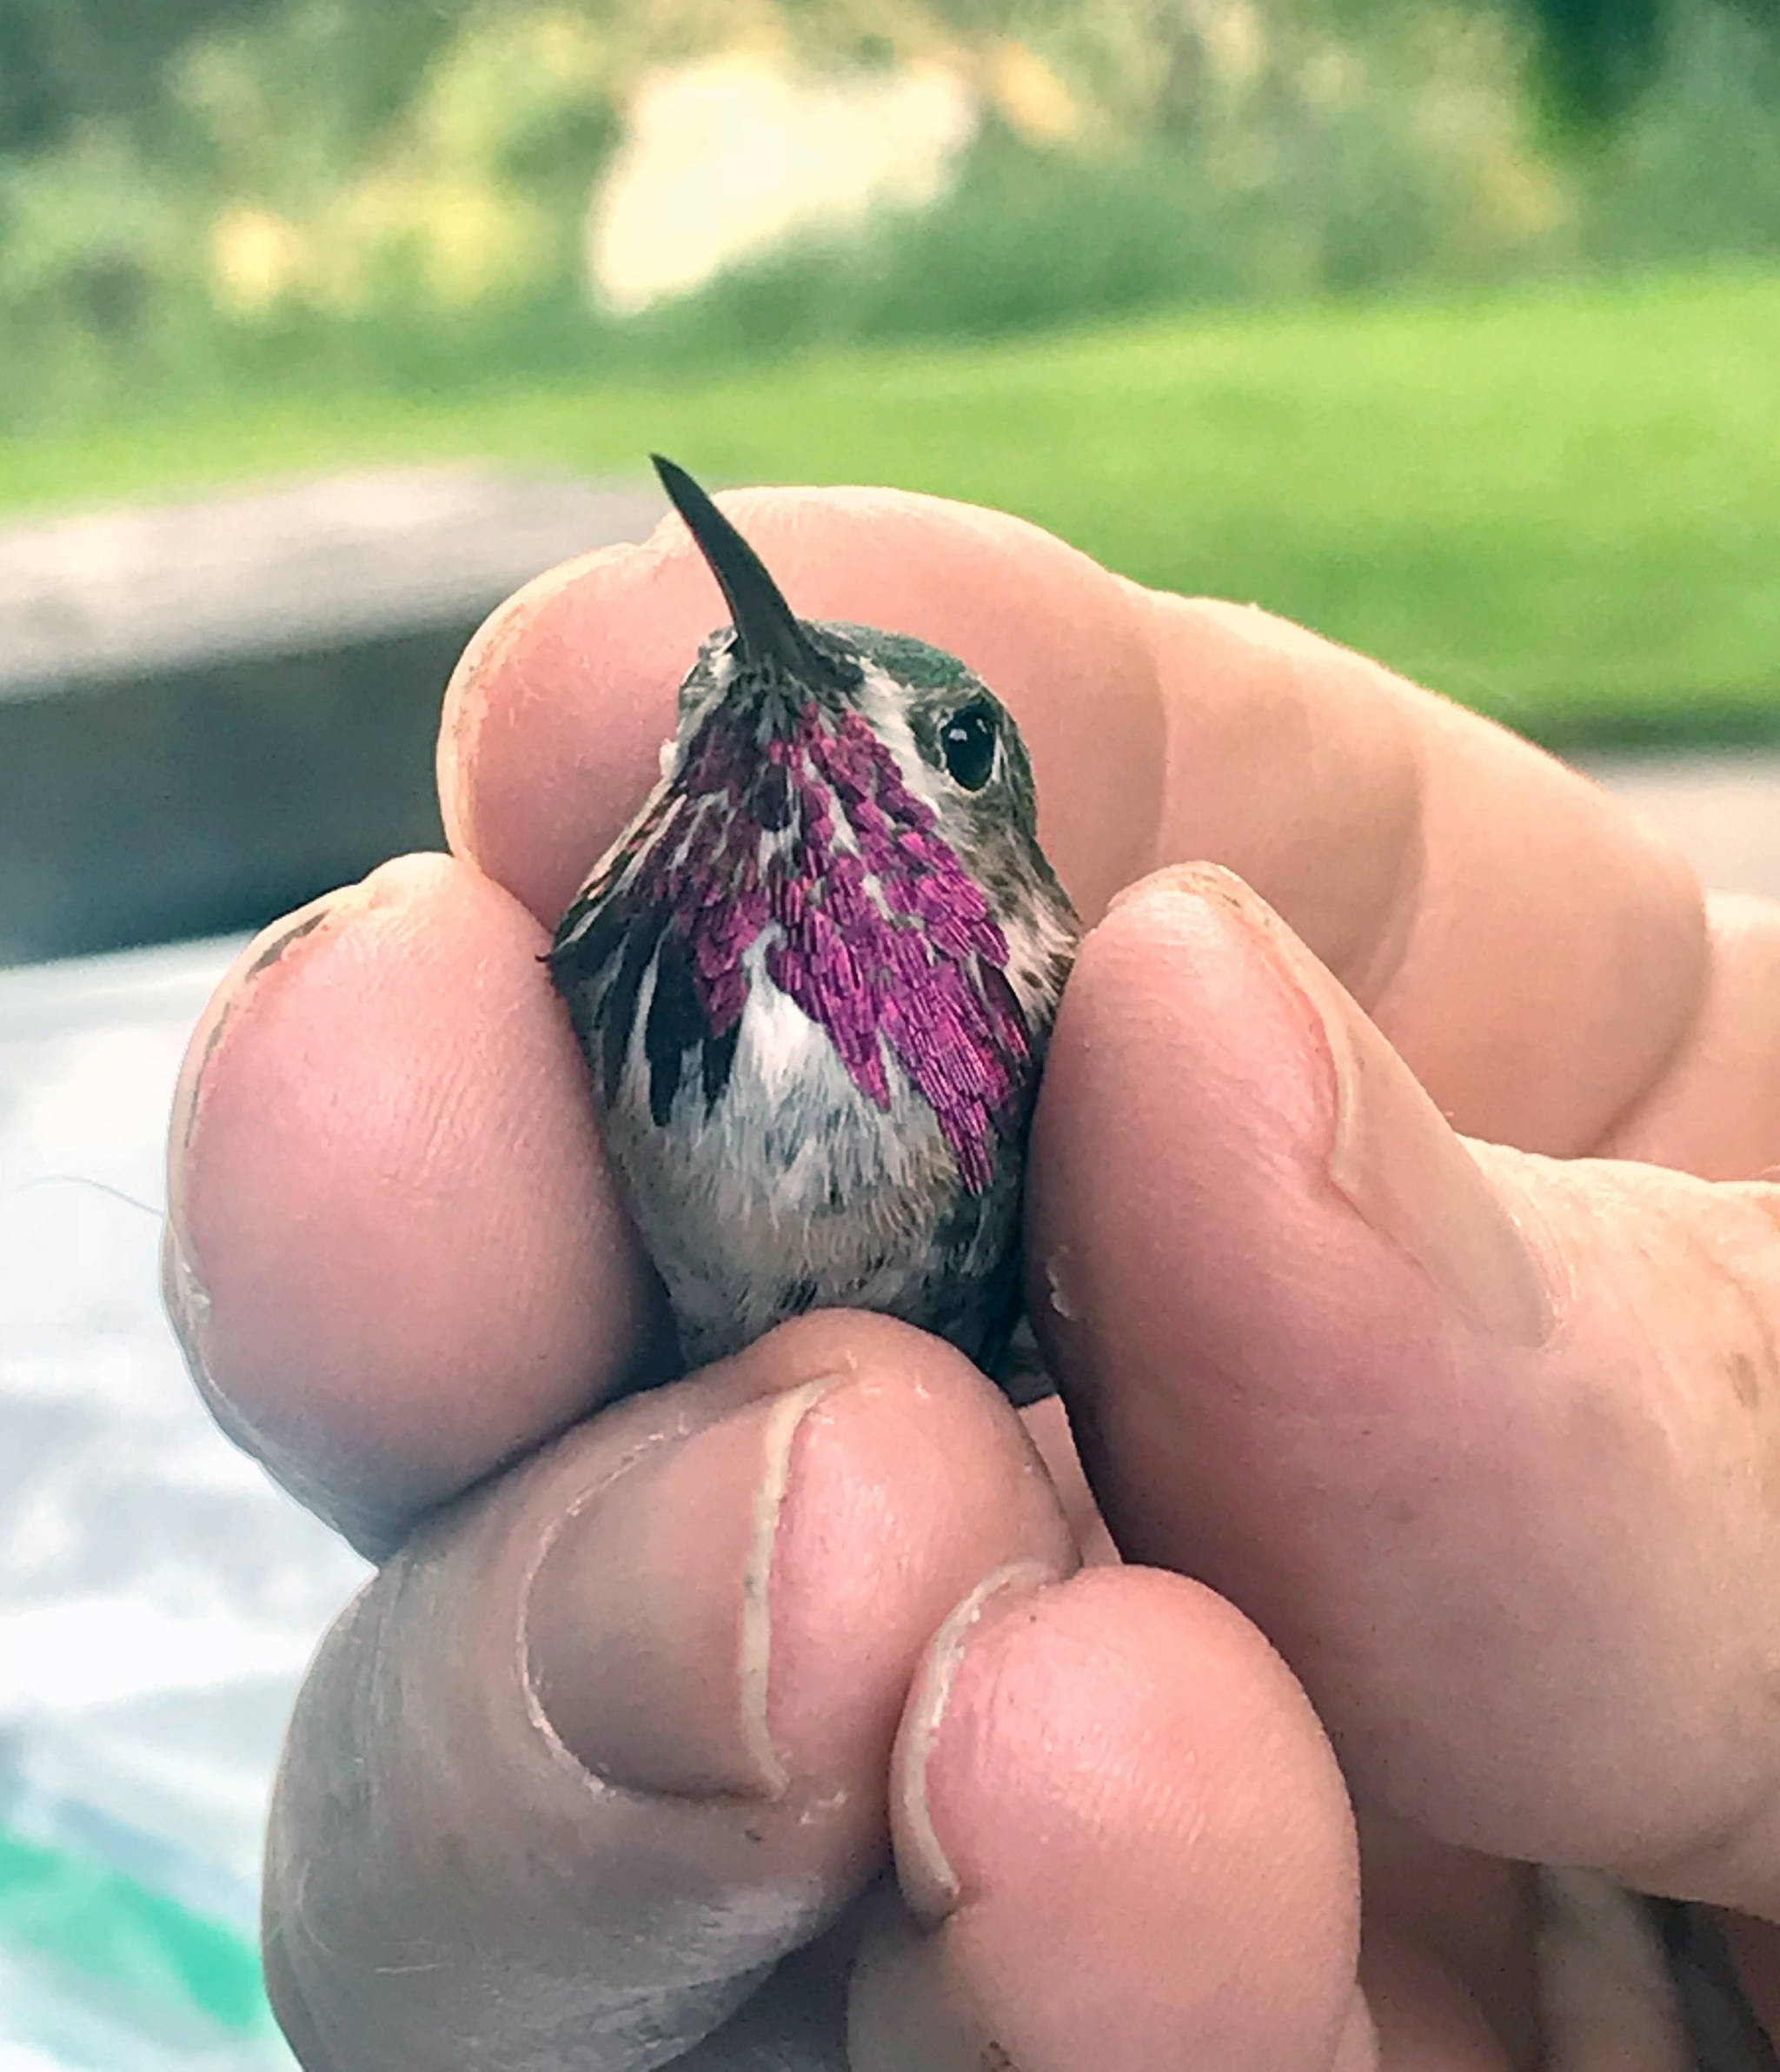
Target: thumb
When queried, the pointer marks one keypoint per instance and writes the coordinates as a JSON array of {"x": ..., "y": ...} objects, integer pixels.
[{"x": 1486, "y": 1443}]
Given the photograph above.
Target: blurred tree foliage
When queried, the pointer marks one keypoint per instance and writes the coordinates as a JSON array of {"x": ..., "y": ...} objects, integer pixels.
[
  {"x": 1597, "y": 56},
  {"x": 67, "y": 62},
  {"x": 197, "y": 191},
  {"x": 64, "y": 61},
  {"x": 61, "y": 60}
]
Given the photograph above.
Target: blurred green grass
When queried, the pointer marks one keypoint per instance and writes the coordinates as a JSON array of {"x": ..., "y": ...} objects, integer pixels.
[{"x": 1560, "y": 504}]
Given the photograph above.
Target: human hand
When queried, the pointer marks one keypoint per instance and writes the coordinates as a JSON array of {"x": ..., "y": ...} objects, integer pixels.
[{"x": 1480, "y": 1442}]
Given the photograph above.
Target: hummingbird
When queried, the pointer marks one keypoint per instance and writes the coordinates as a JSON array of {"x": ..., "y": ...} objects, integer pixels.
[{"x": 815, "y": 977}]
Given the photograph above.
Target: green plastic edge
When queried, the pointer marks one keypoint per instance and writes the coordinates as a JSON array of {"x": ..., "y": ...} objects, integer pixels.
[{"x": 142, "y": 1949}]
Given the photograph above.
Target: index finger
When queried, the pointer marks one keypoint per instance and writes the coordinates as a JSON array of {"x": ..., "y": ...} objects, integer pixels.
[{"x": 1533, "y": 950}]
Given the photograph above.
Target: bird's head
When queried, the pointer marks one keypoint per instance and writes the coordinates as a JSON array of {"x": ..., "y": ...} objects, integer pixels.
[{"x": 849, "y": 814}]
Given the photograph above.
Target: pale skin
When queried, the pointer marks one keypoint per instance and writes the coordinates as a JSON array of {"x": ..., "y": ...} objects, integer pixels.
[{"x": 1473, "y": 1453}]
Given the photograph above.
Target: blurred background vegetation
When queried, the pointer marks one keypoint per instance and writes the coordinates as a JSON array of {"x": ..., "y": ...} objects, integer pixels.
[{"x": 1449, "y": 326}]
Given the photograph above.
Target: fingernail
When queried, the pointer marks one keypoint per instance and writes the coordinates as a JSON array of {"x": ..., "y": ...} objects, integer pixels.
[
  {"x": 1397, "y": 1161},
  {"x": 187, "y": 1306},
  {"x": 648, "y": 1626},
  {"x": 182, "y": 1291},
  {"x": 1392, "y": 1156},
  {"x": 266, "y": 948},
  {"x": 464, "y": 708},
  {"x": 929, "y": 1884},
  {"x": 906, "y": 2006}
]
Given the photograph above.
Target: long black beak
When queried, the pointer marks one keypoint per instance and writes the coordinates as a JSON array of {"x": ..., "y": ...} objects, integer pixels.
[{"x": 770, "y": 632}]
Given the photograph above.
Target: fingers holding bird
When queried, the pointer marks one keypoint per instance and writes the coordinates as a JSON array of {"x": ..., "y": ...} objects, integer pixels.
[
  {"x": 1487, "y": 1445},
  {"x": 615, "y": 1736},
  {"x": 1474, "y": 894},
  {"x": 392, "y": 1278},
  {"x": 395, "y": 1256},
  {"x": 611, "y": 1736}
]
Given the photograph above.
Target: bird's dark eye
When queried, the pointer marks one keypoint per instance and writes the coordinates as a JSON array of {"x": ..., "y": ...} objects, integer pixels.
[{"x": 967, "y": 742}]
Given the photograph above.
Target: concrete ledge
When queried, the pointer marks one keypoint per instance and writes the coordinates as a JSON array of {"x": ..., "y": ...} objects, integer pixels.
[
  {"x": 1721, "y": 806},
  {"x": 211, "y": 712}
]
